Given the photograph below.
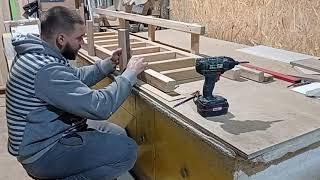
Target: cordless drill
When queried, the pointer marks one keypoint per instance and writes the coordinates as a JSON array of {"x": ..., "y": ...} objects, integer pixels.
[{"x": 212, "y": 67}]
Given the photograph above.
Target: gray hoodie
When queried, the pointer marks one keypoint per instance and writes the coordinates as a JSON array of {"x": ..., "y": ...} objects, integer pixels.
[{"x": 47, "y": 98}]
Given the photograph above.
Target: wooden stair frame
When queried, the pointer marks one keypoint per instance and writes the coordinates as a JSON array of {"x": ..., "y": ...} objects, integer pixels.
[{"x": 168, "y": 66}]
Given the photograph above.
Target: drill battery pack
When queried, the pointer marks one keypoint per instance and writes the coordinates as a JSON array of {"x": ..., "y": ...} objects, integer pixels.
[{"x": 214, "y": 107}]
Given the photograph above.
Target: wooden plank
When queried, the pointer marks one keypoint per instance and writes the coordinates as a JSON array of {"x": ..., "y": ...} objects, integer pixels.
[
  {"x": 172, "y": 64},
  {"x": 180, "y": 26},
  {"x": 151, "y": 32},
  {"x": 182, "y": 73},
  {"x": 102, "y": 52},
  {"x": 145, "y": 50},
  {"x": 195, "y": 41},
  {"x": 81, "y": 11},
  {"x": 110, "y": 42},
  {"x": 104, "y": 33},
  {"x": 132, "y": 45},
  {"x": 162, "y": 82},
  {"x": 310, "y": 64},
  {"x": 90, "y": 38},
  {"x": 275, "y": 74},
  {"x": 233, "y": 74},
  {"x": 123, "y": 24},
  {"x": 106, "y": 37},
  {"x": 158, "y": 56},
  {"x": 124, "y": 43},
  {"x": 150, "y": 89},
  {"x": 251, "y": 74}
]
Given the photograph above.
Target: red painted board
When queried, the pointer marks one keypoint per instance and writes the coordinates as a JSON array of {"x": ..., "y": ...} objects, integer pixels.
[{"x": 277, "y": 75}]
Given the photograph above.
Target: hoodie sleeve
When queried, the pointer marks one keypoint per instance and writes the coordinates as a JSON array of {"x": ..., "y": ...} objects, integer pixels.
[
  {"x": 59, "y": 87},
  {"x": 90, "y": 75}
]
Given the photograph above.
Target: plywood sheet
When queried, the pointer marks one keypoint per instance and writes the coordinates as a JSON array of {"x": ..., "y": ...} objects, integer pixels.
[
  {"x": 265, "y": 121},
  {"x": 275, "y": 54},
  {"x": 311, "y": 64}
]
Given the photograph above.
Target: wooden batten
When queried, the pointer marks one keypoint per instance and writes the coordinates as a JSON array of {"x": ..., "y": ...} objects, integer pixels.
[
  {"x": 90, "y": 38},
  {"x": 124, "y": 44},
  {"x": 145, "y": 50},
  {"x": 102, "y": 52},
  {"x": 182, "y": 73},
  {"x": 151, "y": 32},
  {"x": 132, "y": 45},
  {"x": 162, "y": 82},
  {"x": 108, "y": 33},
  {"x": 195, "y": 41},
  {"x": 180, "y": 26},
  {"x": 158, "y": 56},
  {"x": 110, "y": 42},
  {"x": 106, "y": 37},
  {"x": 172, "y": 64},
  {"x": 252, "y": 74},
  {"x": 233, "y": 74}
]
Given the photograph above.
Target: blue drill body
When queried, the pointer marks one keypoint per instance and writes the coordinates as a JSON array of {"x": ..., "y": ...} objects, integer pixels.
[{"x": 211, "y": 68}]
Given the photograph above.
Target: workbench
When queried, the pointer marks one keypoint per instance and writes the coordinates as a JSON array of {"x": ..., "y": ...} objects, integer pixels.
[{"x": 269, "y": 132}]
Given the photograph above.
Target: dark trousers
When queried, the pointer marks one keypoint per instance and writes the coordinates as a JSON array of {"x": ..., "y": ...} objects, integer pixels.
[{"x": 101, "y": 152}]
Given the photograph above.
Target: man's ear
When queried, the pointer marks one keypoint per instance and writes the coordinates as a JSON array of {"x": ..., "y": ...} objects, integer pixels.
[{"x": 60, "y": 41}]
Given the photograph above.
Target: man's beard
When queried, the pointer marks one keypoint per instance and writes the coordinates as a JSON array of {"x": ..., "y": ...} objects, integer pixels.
[{"x": 69, "y": 53}]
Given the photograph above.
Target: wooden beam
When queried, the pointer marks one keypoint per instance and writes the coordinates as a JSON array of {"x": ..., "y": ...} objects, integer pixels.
[
  {"x": 158, "y": 56},
  {"x": 310, "y": 64},
  {"x": 145, "y": 50},
  {"x": 132, "y": 45},
  {"x": 124, "y": 43},
  {"x": 104, "y": 33},
  {"x": 151, "y": 32},
  {"x": 106, "y": 37},
  {"x": 158, "y": 80},
  {"x": 195, "y": 41},
  {"x": 81, "y": 11},
  {"x": 233, "y": 74},
  {"x": 172, "y": 64},
  {"x": 90, "y": 38},
  {"x": 110, "y": 42},
  {"x": 123, "y": 24},
  {"x": 180, "y": 26},
  {"x": 102, "y": 52},
  {"x": 277, "y": 75},
  {"x": 147, "y": 87},
  {"x": 252, "y": 74},
  {"x": 182, "y": 73},
  {"x": 138, "y": 44}
]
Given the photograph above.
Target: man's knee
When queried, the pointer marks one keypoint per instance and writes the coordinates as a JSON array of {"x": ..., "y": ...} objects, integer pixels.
[
  {"x": 106, "y": 127},
  {"x": 129, "y": 155}
]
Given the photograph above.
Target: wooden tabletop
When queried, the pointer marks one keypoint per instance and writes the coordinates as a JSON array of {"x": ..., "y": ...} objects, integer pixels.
[{"x": 265, "y": 121}]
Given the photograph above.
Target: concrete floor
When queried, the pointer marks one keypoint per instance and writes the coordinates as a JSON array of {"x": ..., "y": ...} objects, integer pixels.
[{"x": 10, "y": 169}]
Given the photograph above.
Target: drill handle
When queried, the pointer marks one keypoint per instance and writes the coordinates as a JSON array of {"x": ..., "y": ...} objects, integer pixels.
[{"x": 208, "y": 86}]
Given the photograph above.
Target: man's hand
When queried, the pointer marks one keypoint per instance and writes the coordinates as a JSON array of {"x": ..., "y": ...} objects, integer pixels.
[
  {"x": 116, "y": 57},
  {"x": 137, "y": 65}
]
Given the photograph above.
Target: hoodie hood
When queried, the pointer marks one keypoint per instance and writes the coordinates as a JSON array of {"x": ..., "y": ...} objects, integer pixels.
[{"x": 32, "y": 44}]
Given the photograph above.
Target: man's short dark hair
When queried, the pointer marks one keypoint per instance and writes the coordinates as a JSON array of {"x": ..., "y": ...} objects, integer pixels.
[{"x": 59, "y": 19}]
